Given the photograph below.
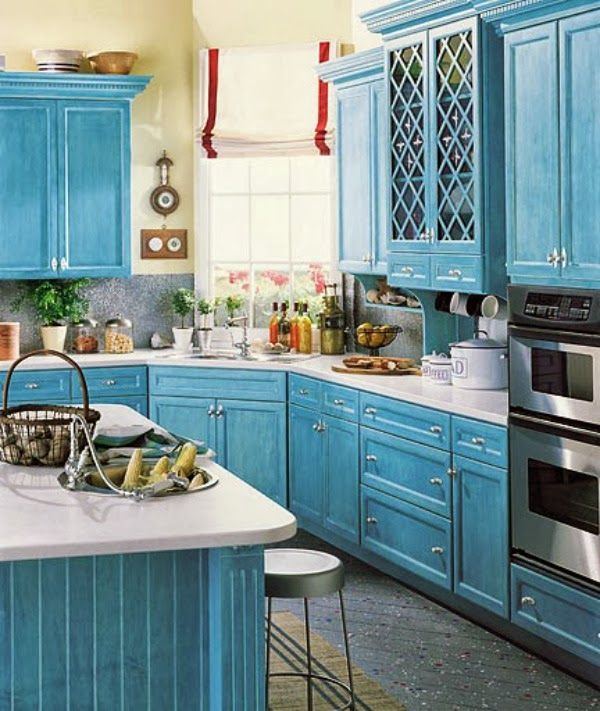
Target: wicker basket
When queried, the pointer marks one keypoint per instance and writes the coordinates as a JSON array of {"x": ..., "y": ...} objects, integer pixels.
[{"x": 40, "y": 434}]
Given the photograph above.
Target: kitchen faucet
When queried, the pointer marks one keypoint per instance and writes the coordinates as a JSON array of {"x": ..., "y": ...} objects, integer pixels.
[{"x": 244, "y": 344}]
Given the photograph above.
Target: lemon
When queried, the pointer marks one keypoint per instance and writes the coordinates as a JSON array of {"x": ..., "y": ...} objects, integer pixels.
[{"x": 362, "y": 335}]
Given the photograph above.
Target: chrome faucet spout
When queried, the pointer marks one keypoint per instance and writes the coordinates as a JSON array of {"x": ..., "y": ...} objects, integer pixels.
[{"x": 244, "y": 344}]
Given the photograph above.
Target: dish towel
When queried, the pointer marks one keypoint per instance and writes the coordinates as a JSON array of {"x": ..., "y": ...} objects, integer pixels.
[{"x": 268, "y": 100}]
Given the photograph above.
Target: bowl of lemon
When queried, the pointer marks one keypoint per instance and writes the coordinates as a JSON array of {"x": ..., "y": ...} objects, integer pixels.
[{"x": 375, "y": 337}]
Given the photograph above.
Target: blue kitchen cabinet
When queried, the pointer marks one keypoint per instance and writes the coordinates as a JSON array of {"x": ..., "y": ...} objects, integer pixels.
[
  {"x": 553, "y": 151},
  {"x": 65, "y": 175},
  {"x": 306, "y": 458},
  {"x": 189, "y": 417},
  {"x": 481, "y": 542},
  {"x": 251, "y": 442},
  {"x": 361, "y": 166}
]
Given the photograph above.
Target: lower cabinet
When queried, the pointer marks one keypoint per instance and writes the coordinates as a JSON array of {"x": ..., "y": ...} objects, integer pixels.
[
  {"x": 139, "y": 403},
  {"x": 323, "y": 466},
  {"x": 481, "y": 542},
  {"x": 248, "y": 437}
]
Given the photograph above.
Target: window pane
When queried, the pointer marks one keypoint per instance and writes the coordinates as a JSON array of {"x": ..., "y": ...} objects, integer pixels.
[
  {"x": 270, "y": 227},
  {"x": 269, "y": 285},
  {"x": 232, "y": 280},
  {"x": 311, "y": 231},
  {"x": 230, "y": 228},
  {"x": 309, "y": 285}
]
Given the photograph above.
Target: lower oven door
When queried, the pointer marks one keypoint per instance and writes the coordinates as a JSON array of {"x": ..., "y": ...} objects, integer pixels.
[{"x": 555, "y": 499}]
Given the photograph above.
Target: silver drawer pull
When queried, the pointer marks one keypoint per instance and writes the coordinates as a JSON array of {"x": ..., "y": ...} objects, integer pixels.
[
  {"x": 435, "y": 429},
  {"x": 371, "y": 458},
  {"x": 339, "y": 403},
  {"x": 372, "y": 519},
  {"x": 303, "y": 391},
  {"x": 109, "y": 382},
  {"x": 478, "y": 441},
  {"x": 316, "y": 427},
  {"x": 455, "y": 273},
  {"x": 407, "y": 270},
  {"x": 219, "y": 412},
  {"x": 436, "y": 481},
  {"x": 211, "y": 411},
  {"x": 31, "y": 386},
  {"x": 370, "y": 411},
  {"x": 527, "y": 600},
  {"x": 438, "y": 550}
]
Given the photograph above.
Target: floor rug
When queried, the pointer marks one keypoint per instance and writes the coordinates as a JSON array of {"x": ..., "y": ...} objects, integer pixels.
[{"x": 288, "y": 654}]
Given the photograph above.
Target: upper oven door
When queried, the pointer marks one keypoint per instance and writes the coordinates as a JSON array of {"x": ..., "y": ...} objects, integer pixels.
[
  {"x": 555, "y": 496},
  {"x": 555, "y": 374}
]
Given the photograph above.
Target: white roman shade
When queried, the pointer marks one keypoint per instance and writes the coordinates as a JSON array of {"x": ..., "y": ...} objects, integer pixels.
[{"x": 268, "y": 100}]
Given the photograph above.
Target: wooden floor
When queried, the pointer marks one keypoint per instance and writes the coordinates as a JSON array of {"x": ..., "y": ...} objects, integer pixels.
[{"x": 430, "y": 658}]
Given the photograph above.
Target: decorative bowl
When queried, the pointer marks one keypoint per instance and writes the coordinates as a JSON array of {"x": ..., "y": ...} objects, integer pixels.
[
  {"x": 58, "y": 60},
  {"x": 376, "y": 337},
  {"x": 112, "y": 62}
]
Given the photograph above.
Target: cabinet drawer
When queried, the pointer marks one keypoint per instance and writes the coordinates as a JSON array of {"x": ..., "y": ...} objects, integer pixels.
[
  {"x": 340, "y": 402},
  {"x": 305, "y": 391},
  {"x": 408, "y": 269},
  {"x": 44, "y": 386},
  {"x": 478, "y": 440},
  {"x": 413, "y": 422},
  {"x": 410, "y": 471},
  {"x": 560, "y": 613},
  {"x": 218, "y": 382},
  {"x": 408, "y": 536},
  {"x": 111, "y": 382},
  {"x": 139, "y": 403},
  {"x": 457, "y": 273}
]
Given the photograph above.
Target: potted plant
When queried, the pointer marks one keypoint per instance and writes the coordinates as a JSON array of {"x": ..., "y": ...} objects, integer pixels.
[
  {"x": 233, "y": 303},
  {"x": 56, "y": 303},
  {"x": 183, "y": 302},
  {"x": 206, "y": 308}
]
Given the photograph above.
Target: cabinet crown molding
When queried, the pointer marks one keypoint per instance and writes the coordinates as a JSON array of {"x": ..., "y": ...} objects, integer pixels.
[
  {"x": 353, "y": 66},
  {"x": 399, "y": 16},
  {"x": 41, "y": 85}
]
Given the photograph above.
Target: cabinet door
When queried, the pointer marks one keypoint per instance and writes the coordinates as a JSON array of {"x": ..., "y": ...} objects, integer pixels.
[
  {"x": 187, "y": 417},
  {"x": 409, "y": 117},
  {"x": 454, "y": 140},
  {"x": 380, "y": 180},
  {"x": 481, "y": 545},
  {"x": 532, "y": 151},
  {"x": 341, "y": 493},
  {"x": 251, "y": 443},
  {"x": 28, "y": 188},
  {"x": 94, "y": 188},
  {"x": 354, "y": 177},
  {"x": 306, "y": 464},
  {"x": 579, "y": 39}
]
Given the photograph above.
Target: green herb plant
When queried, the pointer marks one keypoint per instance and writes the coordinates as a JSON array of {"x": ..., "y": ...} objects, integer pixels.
[
  {"x": 233, "y": 303},
  {"x": 57, "y": 302},
  {"x": 183, "y": 303},
  {"x": 205, "y": 308}
]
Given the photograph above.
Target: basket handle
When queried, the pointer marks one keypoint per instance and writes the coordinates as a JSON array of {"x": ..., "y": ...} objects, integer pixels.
[{"x": 58, "y": 354}]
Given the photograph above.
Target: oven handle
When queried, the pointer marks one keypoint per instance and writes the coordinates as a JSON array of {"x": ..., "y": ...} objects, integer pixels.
[
  {"x": 543, "y": 334},
  {"x": 561, "y": 429}
]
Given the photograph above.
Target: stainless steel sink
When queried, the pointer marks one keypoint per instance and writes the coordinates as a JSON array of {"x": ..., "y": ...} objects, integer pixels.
[{"x": 234, "y": 355}]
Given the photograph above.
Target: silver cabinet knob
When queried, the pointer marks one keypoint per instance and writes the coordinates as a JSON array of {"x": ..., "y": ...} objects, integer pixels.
[
  {"x": 63, "y": 263},
  {"x": 431, "y": 232},
  {"x": 370, "y": 411},
  {"x": 563, "y": 257},
  {"x": 553, "y": 258},
  {"x": 451, "y": 471},
  {"x": 478, "y": 441},
  {"x": 339, "y": 403},
  {"x": 219, "y": 412},
  {"x": 371, "y": 519},
  {"x": 455, "y": 273},
  {"x": 438, "y": 550},
  {"x": 527, "y": 600},
  {"x": 31, "y": 386},
  {"x": 211, "y": 411},
  {"x": 316, "y": 427},
  {"x": 54, "y": 264},
  {"x": 109, "y": 382},
  {"x": 303, "y": 391},
  {"x": 406, "y": 269},
  {"x": 322, "y": 427},
  {"x": 424, "y": 236},
  {"x": 435, "y": 429},
  {"x": 436, "y": 481},
  {"x": 371, "y": 458}
]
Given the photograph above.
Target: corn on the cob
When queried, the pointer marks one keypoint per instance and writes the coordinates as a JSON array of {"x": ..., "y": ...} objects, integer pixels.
[
  {"x": 159, "y": 470},
  {"x": 186, "y": 460},
  {"x": 134, "y": 471}
]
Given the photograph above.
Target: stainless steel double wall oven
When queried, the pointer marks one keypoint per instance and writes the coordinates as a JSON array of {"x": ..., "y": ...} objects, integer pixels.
[{"x": 554, "y": 338}]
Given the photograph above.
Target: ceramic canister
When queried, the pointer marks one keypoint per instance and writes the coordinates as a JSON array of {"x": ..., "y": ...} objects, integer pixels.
[
  {"x": 9, "y": 340},
  {"x": 440, "y": 370}
]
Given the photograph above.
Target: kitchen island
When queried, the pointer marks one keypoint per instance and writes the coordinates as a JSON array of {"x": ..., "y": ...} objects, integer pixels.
[{"x": 112, "y": 604}]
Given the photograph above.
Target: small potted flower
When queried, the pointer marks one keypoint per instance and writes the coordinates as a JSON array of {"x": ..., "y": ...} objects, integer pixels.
[
  {"x": 206, "y": 309},
  {"x": 233, "y": 303},
  {"x": 183, "y": 302}
]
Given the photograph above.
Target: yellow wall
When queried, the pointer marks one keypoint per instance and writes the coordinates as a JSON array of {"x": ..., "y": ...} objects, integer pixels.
[
  {"x": 161, "y": 32},
  {"x": 363, "y": 39}
]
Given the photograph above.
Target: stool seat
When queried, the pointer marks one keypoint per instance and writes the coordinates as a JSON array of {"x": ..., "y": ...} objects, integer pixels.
[{"x": 296, "y": 572}]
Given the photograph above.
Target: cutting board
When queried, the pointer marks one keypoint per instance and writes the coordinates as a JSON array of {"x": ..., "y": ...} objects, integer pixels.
[{"x": 375, "y": 371}]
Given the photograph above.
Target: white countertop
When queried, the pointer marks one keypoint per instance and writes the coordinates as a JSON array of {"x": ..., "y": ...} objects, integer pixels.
[
  {"x": 39, "y": 519},
  {"x": 488, "y": 405}
]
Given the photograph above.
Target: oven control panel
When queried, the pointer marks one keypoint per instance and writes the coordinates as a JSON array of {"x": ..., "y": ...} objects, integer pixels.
[{"x": 558, "y": 307}]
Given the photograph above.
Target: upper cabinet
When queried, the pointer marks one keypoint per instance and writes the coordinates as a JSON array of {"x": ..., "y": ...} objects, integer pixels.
[
  {"x": 360, "y": 153},
  {"x": 65, "y": 175},
  {"x": 553, "y": 150}
]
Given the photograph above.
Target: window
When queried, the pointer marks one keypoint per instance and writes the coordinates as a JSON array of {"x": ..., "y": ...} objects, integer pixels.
[{"x": 267, "y": 230}]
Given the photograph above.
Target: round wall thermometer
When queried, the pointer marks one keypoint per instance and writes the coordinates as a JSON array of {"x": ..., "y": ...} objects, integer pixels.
[{"x": 164, "y": 198}]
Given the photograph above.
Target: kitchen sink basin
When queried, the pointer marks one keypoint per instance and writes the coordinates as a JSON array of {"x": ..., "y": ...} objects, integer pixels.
[{"x": 234, "y": 355}]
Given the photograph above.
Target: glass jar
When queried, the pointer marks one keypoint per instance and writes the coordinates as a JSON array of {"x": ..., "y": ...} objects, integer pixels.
[
  {"x": 84, "y": 336},
  {"x": 118, "y": 335}
]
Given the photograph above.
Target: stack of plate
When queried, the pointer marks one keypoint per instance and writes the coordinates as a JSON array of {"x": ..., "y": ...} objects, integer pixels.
[{"x": 58, "y": 60}]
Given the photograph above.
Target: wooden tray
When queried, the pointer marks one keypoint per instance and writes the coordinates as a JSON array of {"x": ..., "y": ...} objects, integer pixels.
[
  {"x": 375, "y": 371},
  {"x": 376, "y": 365}
]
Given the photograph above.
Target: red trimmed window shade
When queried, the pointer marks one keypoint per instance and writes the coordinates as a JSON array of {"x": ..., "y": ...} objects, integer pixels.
[{"x": 265, "y": 101}]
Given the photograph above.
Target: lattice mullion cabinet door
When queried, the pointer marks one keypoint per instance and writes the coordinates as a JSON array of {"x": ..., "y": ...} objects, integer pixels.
[
  {"x": 406, "y": 82},
  {"x": 454, "y": 136}
]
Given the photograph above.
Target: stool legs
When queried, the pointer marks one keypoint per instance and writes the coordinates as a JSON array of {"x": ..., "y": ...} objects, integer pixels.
[
  {"x": 268, "y": 651},
  {"x": 308, "y": 656},
  {"x": 347, "y": 650}
]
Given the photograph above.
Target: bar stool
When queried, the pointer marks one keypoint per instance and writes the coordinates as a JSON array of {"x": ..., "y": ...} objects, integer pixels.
[{"x": 300, "y": 573}]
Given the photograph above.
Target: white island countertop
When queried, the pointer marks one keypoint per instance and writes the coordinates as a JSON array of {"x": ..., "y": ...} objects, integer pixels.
[
  {"x": 488, "y": 405},
  {"x": 39, "y": 519}
]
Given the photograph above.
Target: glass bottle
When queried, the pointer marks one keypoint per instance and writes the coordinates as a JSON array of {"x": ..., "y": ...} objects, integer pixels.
[
  {"x": 305, "y": 331},
  {"x": 274, "y": 325},
  {"x": 284, "y": 327},
  {"x": 295, "y": 327},
  {"x": 331, "y": 323}
]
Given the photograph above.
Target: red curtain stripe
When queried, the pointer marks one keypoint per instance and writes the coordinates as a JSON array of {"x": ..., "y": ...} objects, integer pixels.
[
  {"x": 321, "y": 130},
  {"x": 213, "y": 85}
]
